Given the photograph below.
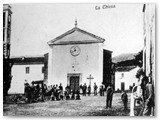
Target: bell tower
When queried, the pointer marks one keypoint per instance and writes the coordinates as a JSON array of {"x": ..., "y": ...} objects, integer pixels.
[
  {"x": 6, "y": 30},
  {"x": 7, "y": 64}
]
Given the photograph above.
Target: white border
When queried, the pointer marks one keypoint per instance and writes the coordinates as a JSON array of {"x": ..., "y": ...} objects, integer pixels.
[{"x": 86, "y": 1}]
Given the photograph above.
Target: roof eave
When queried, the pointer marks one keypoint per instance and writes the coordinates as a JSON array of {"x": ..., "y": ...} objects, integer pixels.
[
  {"x": 75, "y": 42},
  {"x": 99, "y": 39}
]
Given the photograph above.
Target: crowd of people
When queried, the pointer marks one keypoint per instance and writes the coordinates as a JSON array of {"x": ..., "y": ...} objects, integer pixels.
[
  {"x": 145, "y": 83},
  {"x": 35, "y": 92},
  {"x": 42, "y": 92},
  {"x": 84, "y": 89}
]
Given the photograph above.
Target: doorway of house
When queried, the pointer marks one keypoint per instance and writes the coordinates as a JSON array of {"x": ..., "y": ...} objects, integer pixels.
[{"x": 122, "y": 86}]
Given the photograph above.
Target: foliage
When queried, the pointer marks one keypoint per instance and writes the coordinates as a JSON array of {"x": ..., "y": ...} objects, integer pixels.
[{"x": 139, "y": 58}]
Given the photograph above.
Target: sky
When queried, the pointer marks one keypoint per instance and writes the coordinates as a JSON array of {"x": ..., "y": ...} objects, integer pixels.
[{"x": 33, "y": 25}]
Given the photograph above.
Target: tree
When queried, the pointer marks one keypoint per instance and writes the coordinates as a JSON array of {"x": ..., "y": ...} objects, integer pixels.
[{"x": 139, "y": 58}]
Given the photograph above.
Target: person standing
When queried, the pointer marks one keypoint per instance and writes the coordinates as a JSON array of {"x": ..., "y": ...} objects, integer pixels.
[
  {"x": 81, "y": 89},
  {"x": 27, "y": 90},
  {"x": 53, "y": 93},
  {"x": 57, "y": 93},
  {"x": 124, "y": 98},
  {"x": 33, "y": 92},
  {"x": 84, "y": 89},
  {"x": 67, "y": 92},
  {"x": 61, "y": 91},
  {"x": 78, "y": 95},
  {"x": 109, "y": 96},
  {"x": 89, "y": 90},
  {"x": 95, "y": 89},
  {"x": 142, "y": 80},
  {"x": 102, "y": 90},
  {"x": 149, "y": 99}
]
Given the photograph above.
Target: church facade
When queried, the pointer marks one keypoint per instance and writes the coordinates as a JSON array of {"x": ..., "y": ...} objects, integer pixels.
[{"x": 77, "y": 57}]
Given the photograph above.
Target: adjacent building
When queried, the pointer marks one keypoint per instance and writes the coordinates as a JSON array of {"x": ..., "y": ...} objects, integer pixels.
[
  {"x": 26, "y": 69},
  {"x": 125, "y": 78}
]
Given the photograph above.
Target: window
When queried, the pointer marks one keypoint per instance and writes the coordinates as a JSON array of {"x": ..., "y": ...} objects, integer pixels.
[
  {"x": 122, "y": 75},
  {"x": 4, "y": 19},
  {"x": 27, "y": 70},
  {"x": 3, "y": 25}
]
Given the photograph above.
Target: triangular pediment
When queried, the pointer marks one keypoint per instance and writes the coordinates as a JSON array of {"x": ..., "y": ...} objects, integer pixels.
[{"x": 76, "y": 36}]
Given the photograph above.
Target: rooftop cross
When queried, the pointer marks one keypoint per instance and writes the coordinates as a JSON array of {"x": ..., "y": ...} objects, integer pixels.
[{"x": 76, "y": 23}]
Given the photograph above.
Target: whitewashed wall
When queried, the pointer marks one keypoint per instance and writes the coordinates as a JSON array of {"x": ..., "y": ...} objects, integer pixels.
[
  {"x": 89, "y": 61},
  {"x": 149, "y": 41},
  {"x": 129, "y": 78},
  {"x": 19, "y": 76}
]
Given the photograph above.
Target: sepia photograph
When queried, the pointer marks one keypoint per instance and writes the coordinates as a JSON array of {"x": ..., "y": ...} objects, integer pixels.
[{"x": 79, "y": 59}]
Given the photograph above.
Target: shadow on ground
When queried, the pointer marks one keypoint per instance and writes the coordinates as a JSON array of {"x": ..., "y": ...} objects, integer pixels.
[{"x": 110, "y": 112}]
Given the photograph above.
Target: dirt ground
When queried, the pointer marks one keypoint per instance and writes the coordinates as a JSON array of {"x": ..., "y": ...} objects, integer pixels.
[{"x": 87, "y": 106}]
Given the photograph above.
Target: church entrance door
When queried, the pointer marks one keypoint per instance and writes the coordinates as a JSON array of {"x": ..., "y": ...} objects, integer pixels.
[
  {"x": 74, "y": 83},
  {"x": 74, "y": 80}
]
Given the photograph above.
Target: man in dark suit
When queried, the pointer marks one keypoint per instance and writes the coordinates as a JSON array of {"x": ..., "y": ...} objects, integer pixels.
[
  {"x": 109, "y": 96},
  {"x": 84, "y": 89}
]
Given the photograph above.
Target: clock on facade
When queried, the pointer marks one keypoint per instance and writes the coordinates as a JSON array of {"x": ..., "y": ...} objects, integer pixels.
[{"x": 75, "y": 50}]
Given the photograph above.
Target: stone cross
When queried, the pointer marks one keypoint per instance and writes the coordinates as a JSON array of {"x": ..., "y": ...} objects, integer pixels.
[{"x": 90, "y": 78}]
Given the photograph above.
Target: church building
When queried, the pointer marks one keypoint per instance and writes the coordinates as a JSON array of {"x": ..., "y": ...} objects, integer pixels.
[
  {"x": 74, "y": 58},
  {"x": 77, "y": 57}
]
